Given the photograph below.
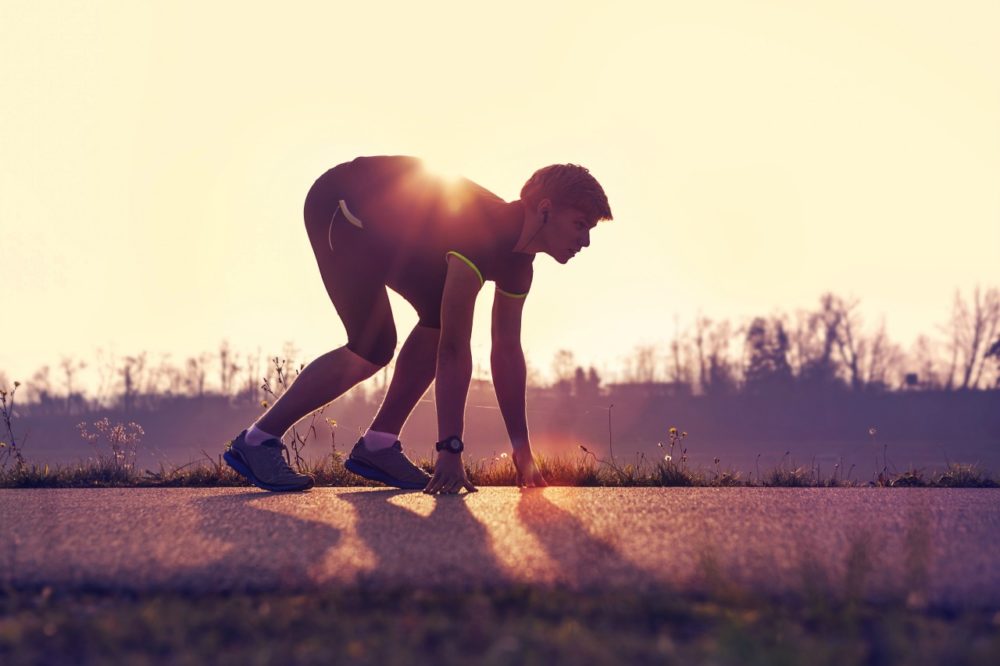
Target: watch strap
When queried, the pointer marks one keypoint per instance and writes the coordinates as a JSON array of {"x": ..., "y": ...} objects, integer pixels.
[{"x": 448, "y": 444}]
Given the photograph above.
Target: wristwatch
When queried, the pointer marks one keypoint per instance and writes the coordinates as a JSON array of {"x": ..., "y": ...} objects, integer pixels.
[{"x": 452, "y": 444}]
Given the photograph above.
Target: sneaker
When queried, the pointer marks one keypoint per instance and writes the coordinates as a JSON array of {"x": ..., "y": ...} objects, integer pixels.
[
  {"x": 264, "y": 466},
  {"x": 389, "y": 466}
]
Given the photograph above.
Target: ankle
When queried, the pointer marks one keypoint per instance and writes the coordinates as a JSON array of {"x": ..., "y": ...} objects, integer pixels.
[
  {"x": 256, "y": 436},
  {"x": 376, "y": 441}
]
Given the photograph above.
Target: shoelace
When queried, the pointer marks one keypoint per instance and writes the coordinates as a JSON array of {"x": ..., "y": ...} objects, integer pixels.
[{"x": 287, "y": 456}]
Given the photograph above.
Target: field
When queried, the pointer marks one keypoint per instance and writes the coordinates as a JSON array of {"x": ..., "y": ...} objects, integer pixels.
[{"x": 506, "y": 626}]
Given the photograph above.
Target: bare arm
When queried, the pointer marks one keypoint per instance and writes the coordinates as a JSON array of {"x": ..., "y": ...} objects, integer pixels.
[
  {"x": 509, "y": 382},
  {"x": 454, "y": 372},
  {"x": 454, "y": 360}
]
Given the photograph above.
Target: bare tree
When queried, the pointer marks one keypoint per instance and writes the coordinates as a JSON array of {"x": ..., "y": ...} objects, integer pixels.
[
  {"x": 39, "y": 389},
  {"x": 107, "y": 373},
  {"x": 923, "y": 361},
  {"x": 194, "y": 378},
  {"x": 851, "y": 344},
  {"x": 586, "y": 386},
  {"x": 994, "y": 353},
  {"x": 133, "y": 376},
  {"x": 70, "y": 367},
  {"x": 251, "y": 384},
  {"x": 882, "y": 361},
  {"x": 227, "y": 369},
  {"x": 814, "y": 336},
  {"x": 701, "y": 328},
  {"x": 640, "y": 367},
  {"x": 973, "y": 327},
  {"x": 767, "y": 366},
  {"x": 562, "y": 367},
  {"x": 723, "y": 370},
  {"x": 169, "y": 376}
]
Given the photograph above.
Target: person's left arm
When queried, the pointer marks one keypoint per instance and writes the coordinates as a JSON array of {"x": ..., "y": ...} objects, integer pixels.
[{"x": 510, "y": 382}]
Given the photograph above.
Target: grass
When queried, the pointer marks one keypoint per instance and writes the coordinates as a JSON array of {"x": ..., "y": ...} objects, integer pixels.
[
  {"x": 519, "y": 625},
  {"x": 582, "y": 471},
  {"x": 115, "y": 451}
]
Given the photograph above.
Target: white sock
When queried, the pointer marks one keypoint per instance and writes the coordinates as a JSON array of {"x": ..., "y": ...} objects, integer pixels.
[
  {"x": 376, "y": 441},
  {"x": 256, "y": 436}
]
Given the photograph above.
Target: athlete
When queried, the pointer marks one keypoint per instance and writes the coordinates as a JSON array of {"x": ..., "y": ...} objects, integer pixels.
[{"x": 388, "y": 222}]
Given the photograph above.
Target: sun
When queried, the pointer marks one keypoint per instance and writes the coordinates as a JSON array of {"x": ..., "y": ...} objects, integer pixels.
[{"x": 448, "y": 170}]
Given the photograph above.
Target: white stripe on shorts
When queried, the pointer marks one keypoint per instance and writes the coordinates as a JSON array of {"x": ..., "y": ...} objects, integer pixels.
[{"x": 350, "y": 218}]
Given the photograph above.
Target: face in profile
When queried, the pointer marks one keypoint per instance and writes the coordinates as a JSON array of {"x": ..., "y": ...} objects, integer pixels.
[{"x": 566, "y": 233}]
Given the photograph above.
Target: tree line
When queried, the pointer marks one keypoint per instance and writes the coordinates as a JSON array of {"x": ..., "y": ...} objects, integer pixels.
[{"x": 824, "y": 349}]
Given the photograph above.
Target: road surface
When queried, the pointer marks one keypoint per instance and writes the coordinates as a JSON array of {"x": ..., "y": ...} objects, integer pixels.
[{"x": 933, "y": 546}]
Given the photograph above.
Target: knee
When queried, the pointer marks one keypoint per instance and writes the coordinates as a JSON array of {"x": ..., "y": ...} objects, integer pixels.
[{"x": 377, "y": 350}]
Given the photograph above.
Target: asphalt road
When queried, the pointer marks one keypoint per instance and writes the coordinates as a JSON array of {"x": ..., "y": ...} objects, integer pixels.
[{"x": 929, "y": 545}]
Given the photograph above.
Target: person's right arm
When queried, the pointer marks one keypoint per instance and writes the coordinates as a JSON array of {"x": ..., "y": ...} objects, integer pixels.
[{"x": 454, "y": 371}]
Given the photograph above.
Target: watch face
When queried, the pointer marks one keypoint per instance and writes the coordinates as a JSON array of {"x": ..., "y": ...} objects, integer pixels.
[{"x": 452, "y": 444}]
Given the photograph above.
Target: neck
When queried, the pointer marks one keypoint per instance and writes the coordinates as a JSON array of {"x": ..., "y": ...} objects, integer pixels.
[{"x": 530, "y": 226}]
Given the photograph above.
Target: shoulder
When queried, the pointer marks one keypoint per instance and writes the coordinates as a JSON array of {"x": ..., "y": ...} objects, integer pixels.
[{"x": 516, "y": 274}]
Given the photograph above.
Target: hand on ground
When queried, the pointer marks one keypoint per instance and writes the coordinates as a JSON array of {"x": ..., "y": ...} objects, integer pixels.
[
  {"x": 449, "y": 475},
  {"x": 527, "y": 472}
]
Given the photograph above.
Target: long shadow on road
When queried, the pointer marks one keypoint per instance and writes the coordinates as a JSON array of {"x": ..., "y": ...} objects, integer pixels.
[
  {"x": 262, "y": 541},
  {"x": 448, "y": 546},
  {"x": 582, "y": 559},
  {"x": 264, "y": 548}
]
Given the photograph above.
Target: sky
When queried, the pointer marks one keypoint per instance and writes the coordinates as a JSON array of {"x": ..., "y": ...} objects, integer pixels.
[{"x": 154, "y": 158}]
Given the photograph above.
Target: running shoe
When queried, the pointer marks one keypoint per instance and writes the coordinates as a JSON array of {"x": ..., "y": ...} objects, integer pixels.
[
  {"x": 265, "y": 466},
  {"x": 389, "y": 466}
]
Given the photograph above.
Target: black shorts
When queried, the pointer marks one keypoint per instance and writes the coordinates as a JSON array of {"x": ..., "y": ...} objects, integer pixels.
[{"x": 354, "y": 271}]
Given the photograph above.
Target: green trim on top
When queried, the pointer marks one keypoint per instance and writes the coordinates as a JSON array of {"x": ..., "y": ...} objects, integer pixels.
[
  {"x": 512, "y": 295},
  {"x": 466, "y": 260}
]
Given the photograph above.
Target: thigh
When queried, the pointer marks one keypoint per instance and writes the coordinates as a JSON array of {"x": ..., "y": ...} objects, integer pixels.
[{"x": 354, "y": 278}]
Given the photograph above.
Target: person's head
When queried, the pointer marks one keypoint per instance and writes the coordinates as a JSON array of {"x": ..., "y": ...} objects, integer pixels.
[{"x": 564, "y": 202}]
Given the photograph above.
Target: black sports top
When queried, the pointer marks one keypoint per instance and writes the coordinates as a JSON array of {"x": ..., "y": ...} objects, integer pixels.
[{"x": 417, "y": 221}]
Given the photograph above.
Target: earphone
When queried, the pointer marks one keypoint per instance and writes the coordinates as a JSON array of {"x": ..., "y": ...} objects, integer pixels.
[{"x": 545, "y": 219}]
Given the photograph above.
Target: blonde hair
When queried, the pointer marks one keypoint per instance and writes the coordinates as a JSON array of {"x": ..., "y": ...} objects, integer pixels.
[{"x": 569, "y": 185}]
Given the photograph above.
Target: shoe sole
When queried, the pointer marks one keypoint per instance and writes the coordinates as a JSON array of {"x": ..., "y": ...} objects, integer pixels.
[
  {"x": 375, "y": 474},
  {"x": 244, "y": 471}
]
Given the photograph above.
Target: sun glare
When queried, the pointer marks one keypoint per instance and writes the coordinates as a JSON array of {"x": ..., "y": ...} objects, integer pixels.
[{"x": 447, "y": 170}]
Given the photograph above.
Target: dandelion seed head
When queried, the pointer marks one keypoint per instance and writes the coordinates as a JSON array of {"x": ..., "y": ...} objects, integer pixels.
[
  {"x": 668, "y": 457},
  {"x": 503, "y": 455},
  {"x": 872, "y": 431}
]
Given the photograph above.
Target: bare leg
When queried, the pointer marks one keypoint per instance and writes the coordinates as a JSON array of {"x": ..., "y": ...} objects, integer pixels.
[
  {"x": 416, "y": 364},
  {"x": 322, "y": 381}
]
